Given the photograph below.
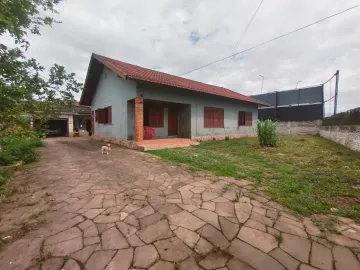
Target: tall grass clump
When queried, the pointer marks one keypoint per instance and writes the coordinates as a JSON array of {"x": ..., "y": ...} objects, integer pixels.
[{"x": 267, "y": 134}]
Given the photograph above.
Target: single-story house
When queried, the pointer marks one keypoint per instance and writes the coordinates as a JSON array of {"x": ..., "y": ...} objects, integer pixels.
[{"x": 125, "y": 98}]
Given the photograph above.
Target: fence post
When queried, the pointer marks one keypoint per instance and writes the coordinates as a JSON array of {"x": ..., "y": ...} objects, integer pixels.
[{"x": 336, "y": 91}]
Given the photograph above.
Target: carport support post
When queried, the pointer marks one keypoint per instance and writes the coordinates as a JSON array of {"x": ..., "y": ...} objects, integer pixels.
[{"x": 139, "y": 119}]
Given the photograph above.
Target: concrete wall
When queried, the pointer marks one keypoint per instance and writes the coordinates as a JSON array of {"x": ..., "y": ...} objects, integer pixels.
[
  {"x": 348, "y": 136},
  {"x": 130, "y": 120},
  {"x": 113, "y": 91},
  {"x": 198, "y": 101},
  {"x": 301, "y": 127},
  {"x": 184, "y": 123},
  {"x": 70, "y": 122}
]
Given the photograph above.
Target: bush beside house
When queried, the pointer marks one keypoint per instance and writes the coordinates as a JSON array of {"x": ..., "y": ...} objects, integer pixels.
[{"x": 20, "y": 147}]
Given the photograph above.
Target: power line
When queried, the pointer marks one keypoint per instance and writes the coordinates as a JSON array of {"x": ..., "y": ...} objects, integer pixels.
[
  {"x": 266, "y": 42},
  {"x": 240, "y": 39},
  {"x": 330, "y": 78}
]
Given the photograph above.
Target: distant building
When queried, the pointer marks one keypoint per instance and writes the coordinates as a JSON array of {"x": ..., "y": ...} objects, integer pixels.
[{"x": 302, "y": 104}]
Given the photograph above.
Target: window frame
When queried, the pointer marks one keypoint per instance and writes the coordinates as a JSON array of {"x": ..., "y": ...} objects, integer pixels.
[
  {"x": 104, "y": 115},
  {"x": 245, "y": 118},
  {"x": 214, "y": 117}
]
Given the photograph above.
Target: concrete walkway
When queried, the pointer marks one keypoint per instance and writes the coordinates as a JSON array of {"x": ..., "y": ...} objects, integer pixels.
[{"x": 127, "y": 210}]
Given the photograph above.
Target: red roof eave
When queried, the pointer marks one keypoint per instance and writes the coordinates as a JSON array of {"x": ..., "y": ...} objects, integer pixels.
[{"x": 129, "y": 71}]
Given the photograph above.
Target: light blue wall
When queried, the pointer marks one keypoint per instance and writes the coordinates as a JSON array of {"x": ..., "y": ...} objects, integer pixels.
[
  {"x": 198, "y": 101},
  {"x": 113, "y": 91},
  {"x": 116, "y": 92}
]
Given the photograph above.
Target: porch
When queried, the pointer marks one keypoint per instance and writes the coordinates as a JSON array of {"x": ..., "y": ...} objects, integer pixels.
[
  {"x": 155, "y": 124},
  {"x": 157, "y": 144}
]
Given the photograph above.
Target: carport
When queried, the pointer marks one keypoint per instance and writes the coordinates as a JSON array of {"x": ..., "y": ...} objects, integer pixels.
[{"x": 57, "y": 128}]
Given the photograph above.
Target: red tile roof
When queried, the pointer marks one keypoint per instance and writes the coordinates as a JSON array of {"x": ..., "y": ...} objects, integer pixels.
[{"x": 126, "y": 71}]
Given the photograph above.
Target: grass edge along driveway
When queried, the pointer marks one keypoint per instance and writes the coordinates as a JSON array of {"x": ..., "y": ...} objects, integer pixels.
[{"x": 306, "y": 173}]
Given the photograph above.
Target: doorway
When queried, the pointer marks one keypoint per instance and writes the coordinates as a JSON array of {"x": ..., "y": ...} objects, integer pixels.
[{"x": 173, "y": 116}]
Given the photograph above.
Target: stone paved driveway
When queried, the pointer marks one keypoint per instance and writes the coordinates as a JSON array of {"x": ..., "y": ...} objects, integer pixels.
[{"x": 128, "y": 210}]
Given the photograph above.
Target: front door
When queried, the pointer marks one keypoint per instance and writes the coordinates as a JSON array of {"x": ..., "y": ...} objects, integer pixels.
[{"x": 172, "y": 121}]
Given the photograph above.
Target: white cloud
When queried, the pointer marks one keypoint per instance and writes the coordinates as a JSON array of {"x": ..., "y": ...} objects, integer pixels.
[{"x": 157, "y": 34}]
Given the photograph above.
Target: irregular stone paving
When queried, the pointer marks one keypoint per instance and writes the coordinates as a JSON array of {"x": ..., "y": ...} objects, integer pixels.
[{"x": 129, "y": 210}]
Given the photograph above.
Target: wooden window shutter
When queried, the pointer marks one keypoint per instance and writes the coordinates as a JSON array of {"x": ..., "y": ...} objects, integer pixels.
[
  {"x": 221, "y": 118},
  {"x": 206, "y": 117},
  {"x": 216, "y": 118},
  {"x": 101, "y": 117},
  {"x": 213, "y": 117},
  {"x": 109, "y": 114},
  {"x": 156, "y": 116},
  {"x": 248, "y": 118},
  {"x": 241, "y": 118}
]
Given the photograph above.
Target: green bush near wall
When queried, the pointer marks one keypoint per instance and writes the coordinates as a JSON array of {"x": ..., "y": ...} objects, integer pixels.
[{"x": 267, "y": 134}]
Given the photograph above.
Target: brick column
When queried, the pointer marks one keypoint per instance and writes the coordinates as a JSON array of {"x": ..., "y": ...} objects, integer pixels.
[{"x": 139, "y": 119}]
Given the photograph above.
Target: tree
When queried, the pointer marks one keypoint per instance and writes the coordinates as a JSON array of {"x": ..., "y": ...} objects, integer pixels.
[{"x": 23, "y": 90}]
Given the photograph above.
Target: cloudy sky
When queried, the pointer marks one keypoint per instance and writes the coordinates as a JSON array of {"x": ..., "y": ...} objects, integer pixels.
[{"x": 176, "y": 36}]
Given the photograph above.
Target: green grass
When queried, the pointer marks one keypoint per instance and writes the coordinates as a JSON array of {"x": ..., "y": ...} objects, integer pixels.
[{"x": 308, "y": 174}]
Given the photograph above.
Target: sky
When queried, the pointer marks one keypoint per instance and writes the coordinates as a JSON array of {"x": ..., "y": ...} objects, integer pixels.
[{"x": 175, "y": 36}]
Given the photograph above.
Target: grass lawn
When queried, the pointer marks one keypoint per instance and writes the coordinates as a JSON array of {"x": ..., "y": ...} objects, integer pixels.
[{"x": 308, "y": 174}]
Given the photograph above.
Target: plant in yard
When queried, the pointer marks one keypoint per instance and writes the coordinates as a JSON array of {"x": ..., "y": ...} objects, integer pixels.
[
  {"x": 266, "y": 132},
  {"x": 237, "y": 196},
  {"x": 43, "y": 256},
  {"x": 278, "y": 238},
  {"x": 176, "y": 266}
]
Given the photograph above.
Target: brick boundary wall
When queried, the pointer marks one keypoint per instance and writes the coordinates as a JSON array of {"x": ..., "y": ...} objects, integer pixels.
[
  {"x": 299, "y": 127},
  {"x": 113, "y": 140},
  {"x": 223, "y": 137},
  {"x": 348, "y": 136}
]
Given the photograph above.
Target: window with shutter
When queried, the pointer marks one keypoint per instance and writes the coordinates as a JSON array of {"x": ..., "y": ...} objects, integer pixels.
[
  {"x": 101, "y": 117},
  {"x": 156, "y": 116},
  {"x": 109, "y": 114},
  {"x": 248, "y": 118},
  {"x": 213, "y": 117},
  {"x": 241, "y": 118}
]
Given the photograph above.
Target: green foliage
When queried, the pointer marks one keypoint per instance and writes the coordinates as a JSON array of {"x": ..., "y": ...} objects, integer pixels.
[
  {"x": 22, "y": 17},
  {"x": 5, "y": 175},
  {"x": 24, "y": 93},
  {"x": 308, "y": 174},
  {"x": 266, "y": 131},
  {"x": 227, "y": 138},
  {"x": 19, "y": 147}
]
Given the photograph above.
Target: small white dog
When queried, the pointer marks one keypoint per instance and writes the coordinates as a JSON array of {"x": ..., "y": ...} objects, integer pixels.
[{"x": 105, "y": 149}]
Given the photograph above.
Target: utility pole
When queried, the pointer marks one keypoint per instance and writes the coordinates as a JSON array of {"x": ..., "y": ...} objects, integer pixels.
[
  {"x": 262, "y": 84},
  {"x": 336, "y": 91}
]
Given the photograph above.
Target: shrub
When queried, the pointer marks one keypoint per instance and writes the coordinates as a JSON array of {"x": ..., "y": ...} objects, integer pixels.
[
  {"x": 267, "y": 134},
  {"x": 5, "y": 175},
  {"x": 19, "y": 147},
  {"x": 227, "y": 138}
]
